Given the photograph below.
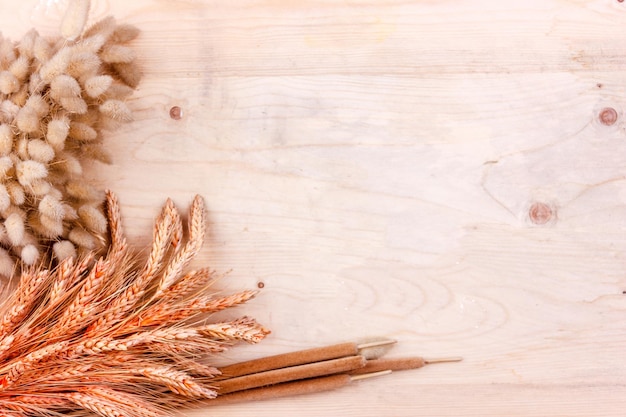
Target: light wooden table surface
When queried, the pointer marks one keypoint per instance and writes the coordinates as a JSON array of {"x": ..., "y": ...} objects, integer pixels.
[{"x": 431, "y": 171}]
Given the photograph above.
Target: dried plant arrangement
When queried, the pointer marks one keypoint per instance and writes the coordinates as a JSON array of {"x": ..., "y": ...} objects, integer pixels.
[
  {"x": 56, "y": 98},
  {"x": 90, "y": 328},
  {"x": 117, "y": 337},
  {"x": 112, "y": 337},
  {"x": 311, "y": 371}
]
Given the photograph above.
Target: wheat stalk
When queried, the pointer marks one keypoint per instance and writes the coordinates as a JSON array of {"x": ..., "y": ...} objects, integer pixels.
[{"x": 101, "y": 336}]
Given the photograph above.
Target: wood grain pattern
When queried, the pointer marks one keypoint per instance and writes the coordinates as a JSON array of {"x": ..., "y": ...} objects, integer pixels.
[{"x": 373, "y": 163}]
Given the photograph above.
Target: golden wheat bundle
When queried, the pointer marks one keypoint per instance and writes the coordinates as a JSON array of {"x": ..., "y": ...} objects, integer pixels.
[{"x": 112, "y": 337}]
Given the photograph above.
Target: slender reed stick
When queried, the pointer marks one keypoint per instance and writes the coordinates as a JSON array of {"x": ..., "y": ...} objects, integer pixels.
[
  {"x": 293, "y": 373},
  {"x": 299, "y": 358}
]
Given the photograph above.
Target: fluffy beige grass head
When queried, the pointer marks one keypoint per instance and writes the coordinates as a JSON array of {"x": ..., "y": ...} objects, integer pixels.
[{"x": 56, "y": 98}]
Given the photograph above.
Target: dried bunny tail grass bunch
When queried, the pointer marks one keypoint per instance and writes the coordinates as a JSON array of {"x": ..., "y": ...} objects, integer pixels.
[
  {"x": 56, "y": 95},
  {"x": 111, "y": 338}
]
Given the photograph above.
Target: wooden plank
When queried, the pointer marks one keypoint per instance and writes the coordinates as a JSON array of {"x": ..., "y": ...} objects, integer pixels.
[
  {"x": 449, "y": 400},
  {"x": 374, "y": 164}
]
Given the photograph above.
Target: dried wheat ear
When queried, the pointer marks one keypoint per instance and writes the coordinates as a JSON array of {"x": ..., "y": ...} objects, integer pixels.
[
  {"x": 56, "y": 97},
  {"x": 113, "y": 338}
]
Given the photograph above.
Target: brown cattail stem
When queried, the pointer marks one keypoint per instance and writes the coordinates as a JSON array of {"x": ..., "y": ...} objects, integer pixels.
[
  {"x": 288, "y": 389},
  {"x": 377, "y": 365},
  {"x": 310, "y": 371},
  {"x": 299, "y": 358},
  {"x": 293, "y": 373},
  {"x": 399, "y": 364}
]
